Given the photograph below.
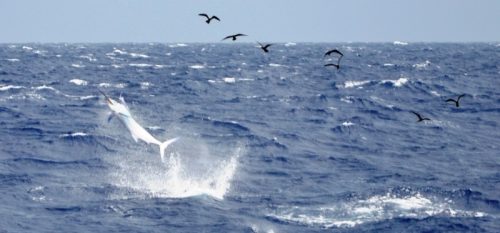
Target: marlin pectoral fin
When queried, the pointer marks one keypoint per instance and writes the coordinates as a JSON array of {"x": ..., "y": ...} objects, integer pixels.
[{"x": 111, "y": 115}]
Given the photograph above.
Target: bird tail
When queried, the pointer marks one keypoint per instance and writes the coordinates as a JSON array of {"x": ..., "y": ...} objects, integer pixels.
[{"x": 163, "y": 147}]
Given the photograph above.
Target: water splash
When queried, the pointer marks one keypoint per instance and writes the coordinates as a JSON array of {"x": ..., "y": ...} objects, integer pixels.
[{"x": 178, "y": 178}]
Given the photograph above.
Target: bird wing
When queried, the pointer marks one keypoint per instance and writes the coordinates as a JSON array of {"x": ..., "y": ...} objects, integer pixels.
[
  {"x": 216, "y": 18},
  {"x": 451, "y": 100},
  {"x": 204, "y": 15},
  {"x": 331, "y": 64},
  {"x": 239, "y": 34},
  {"x": 267, "y": 46},
  {"x": 227, "y": 37},
  {"x": 460, "y": 96},
  {"x": 416, "y": 114}
]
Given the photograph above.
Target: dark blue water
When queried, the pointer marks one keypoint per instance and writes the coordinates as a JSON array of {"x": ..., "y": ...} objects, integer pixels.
[{"x": 269, "y": 142}]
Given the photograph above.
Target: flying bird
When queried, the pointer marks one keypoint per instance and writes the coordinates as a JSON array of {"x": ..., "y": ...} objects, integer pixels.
[
  {"x": 329, "y": 52},
  {"x": 420, "y": 118},
  {"x": 209, "y": 18},
  {"x": 331, "y": 64},
  {"x": 456, "y": 101},
  {"x": 264, "y": 47},
  {"x": 333, "y": 51},
  {"x": 234, "y": 36}
]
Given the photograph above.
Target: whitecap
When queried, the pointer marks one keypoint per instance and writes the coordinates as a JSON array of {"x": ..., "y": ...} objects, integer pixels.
[
  {"x": 117, "y": 51},
  {"x": 422, "y": 65},
  {"x": 400, "y": 43},
  {"x": 27, "y": 48},
  {"x": 347, "y": 99},
  {"x": 347, "y": 123},
  {"x": 45, "y": 87},
  {"x": 388, "y": 64},
  {"x": 77, "y": 65},
  {"x": 138, "y": 55},
  {"x": 351, "y": 84},
  {"x": 197, "y": 66},
  {"x": 141, "y": 65},
  {"x": 88, "y": 57},
  {"x": 77, "y": 134},
  {"x": 177, "y": 45},
  {"x": 9, "y": 87},
  {"x": 373, "y": 209},
  {"x": 435, "y": 93},
  {"x": 13, "y": 59},
  {"x": 229, "y": 80},
  {"x": 275, "y": 65},
  {"x": 117, "y": 66},
  {"x": 87, "y": 97},
  {"x": 290, "y": 44},
  {"x": 397, "y": 83},
  {"x": 145, "y": 85},
  {"x": 160, "y": 66},
  {"x": 79, "y": 82},
  {"x": 104, "y": 85}
]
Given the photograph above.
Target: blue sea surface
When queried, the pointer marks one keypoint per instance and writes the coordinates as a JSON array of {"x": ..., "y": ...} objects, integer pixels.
[{"x": 269, "y": 142}]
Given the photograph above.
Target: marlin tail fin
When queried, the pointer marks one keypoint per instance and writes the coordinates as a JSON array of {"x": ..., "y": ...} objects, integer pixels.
[{"x": 164, "y": 145}]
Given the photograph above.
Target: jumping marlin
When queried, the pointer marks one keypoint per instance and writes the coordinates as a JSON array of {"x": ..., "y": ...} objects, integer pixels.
[{"x": 120, "y": 109}]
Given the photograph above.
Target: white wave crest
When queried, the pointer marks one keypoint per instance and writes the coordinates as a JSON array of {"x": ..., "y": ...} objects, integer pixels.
[
  {"x": 141, "y": 65},
  {"x": 351, "y": 84},
  {"x": 397, "y": 83},
  {"x": 9, "y": 87},
  {"x": 138, "y": 55},
  {"x": 422, "y": 65},
  {"x": 197, "y": 66},
  {"x": 400, "y": 43},
  {"x": 374, "y": 209},
  {"x": 177, "y": 45},
  {"x": 229, "y": 80},
  {"x": 79, "y": 82},
  {"x": 347, "y": 123},
  {"x": 77, "y": 65},
  {"x": 77, "y": 134},
  {"x": 13, "y": 59}
]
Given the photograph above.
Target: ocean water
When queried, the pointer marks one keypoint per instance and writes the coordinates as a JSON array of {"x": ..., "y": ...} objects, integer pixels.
[{"x": 268, "y": 142}]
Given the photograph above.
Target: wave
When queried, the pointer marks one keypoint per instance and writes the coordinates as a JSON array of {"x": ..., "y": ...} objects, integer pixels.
[
  {"x": 77, "y": 65},
  {"x": 13, "y": 59},
  {"x": 79, "y": 82},
  {"x": 197, "y": 66},
  {"x": 9, "y": 87},
  {"x": 422, "y": 65},
  {"x": 399, "y": 43},
  {"x": 89, "y": 57},
  {"x": 373, "y": 209},
  {"x": 229, "y": 80},
  {"x": 77, "y": 134},
  {"x": 141, "y": 65},
  {"x": 177, "y": 45},
  {"x": 138, "y": 55},
  {"x": 397, "y": 83}
]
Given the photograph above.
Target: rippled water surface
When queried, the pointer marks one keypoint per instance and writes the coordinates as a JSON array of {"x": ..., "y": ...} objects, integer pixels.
[{"x": 268, "y": 142}]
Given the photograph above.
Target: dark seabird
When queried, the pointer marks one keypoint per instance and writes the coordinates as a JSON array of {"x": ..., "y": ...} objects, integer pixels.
[
  {"x": 331, "y": 64},
  {"x": 329, "y": 52},
  {"x": 264, "y": 47},
  {"x": 333, "y": 51},
  {"x": 456, "y": 101},
  {"x": 234, "y": 36},
  {"x": 420, "y": 118},
  {"x": 209, "y": 18}
]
